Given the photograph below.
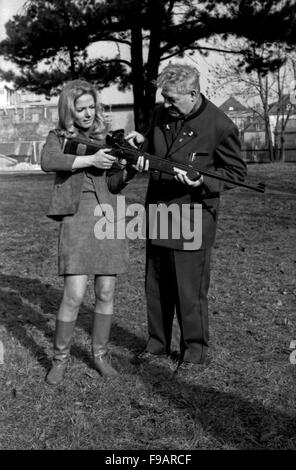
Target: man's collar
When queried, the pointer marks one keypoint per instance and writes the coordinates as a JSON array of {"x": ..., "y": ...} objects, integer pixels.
[{"x": 197, "y": 108}]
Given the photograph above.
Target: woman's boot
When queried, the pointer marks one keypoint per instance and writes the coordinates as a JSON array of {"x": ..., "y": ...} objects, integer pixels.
[
  {"x": 62, "y": 340},
  {"x": 100, "y": 337}
]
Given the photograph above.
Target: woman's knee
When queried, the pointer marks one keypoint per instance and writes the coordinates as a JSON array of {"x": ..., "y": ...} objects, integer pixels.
[
  {"x": 74, "y": 290},
  {"x": 73, "y": 298},
  {"x": 105, "y": 295},
  {"x": 104, "y": 290}
]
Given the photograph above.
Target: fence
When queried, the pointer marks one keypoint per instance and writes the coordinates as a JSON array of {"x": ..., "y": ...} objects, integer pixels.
[
  {"x": 261, "y": 155},
  {"x": 23, "y": 151}
]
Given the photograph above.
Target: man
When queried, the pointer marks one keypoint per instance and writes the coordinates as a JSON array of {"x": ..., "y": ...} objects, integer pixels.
[{"x": 178, "y": 273}]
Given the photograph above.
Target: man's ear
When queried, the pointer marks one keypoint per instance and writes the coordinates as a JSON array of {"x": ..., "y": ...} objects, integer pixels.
[{"x": 194, "y": 94}]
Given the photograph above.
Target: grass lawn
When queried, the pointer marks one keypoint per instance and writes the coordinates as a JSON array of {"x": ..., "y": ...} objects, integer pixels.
[{"x": 246, "y": 397}]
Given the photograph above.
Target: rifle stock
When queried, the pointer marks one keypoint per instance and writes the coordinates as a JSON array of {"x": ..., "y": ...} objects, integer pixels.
[{"x": 123, "y": 150}]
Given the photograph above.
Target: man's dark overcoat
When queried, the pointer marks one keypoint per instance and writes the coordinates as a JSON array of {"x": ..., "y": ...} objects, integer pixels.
[
  {"x": 177, "y": 278},
  {"x": 208, "y": 131}
]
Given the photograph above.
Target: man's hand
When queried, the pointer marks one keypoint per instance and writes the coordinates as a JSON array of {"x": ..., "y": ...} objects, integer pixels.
[
  {"x": 185, "y": 180},
  {"x": 131, "y": 170},
  {"x": 135, "y": 139},
  {"x": 141, "y": 165}
]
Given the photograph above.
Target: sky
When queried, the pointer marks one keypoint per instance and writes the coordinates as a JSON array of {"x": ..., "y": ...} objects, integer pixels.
[{"x": 8, "y": 8}]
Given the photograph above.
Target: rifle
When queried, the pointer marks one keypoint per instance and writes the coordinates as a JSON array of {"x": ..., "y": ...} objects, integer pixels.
[{"x": 121, "y": 149}]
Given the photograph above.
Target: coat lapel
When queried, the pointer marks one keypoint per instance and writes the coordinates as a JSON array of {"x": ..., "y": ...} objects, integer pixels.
[
  {"x": 167, "y": 132},
  {"x": 186, "y": 135}
]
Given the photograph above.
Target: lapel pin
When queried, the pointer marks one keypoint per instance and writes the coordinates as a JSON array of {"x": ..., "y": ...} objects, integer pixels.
[{"x": 167, "y": 127}]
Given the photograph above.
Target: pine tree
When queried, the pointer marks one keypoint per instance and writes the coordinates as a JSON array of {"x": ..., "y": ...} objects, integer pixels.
[{"x": 48, "y": 41}]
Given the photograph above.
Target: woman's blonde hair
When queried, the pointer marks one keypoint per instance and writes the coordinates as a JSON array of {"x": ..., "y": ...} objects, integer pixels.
[{"x": 66, "y": 106}]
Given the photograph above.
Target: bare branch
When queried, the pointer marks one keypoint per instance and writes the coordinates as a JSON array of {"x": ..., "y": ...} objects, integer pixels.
[{"x": 109, "y": 61}]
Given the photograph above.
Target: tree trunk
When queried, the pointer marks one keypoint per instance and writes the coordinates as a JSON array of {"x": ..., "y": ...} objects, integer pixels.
[
  {"x": 151, "y": 75},
  {"x": 263, "y": 91},
  {"x": 282, "y": 149},
  {"x": 72, "y": 62},
  {"x": 269, "y": 140},
  {"x": 138, "y": 80},
  {"x": 157, "y": 14}
]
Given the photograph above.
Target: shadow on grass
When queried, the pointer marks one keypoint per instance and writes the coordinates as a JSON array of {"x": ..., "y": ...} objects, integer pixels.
[
  {"x": 232, "y": 420},
  {"x": 26, "y": 301},
  {"x": 226, "y": 416}
]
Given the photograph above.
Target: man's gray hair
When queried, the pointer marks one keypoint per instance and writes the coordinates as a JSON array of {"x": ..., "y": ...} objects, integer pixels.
[{"x": 181, "y": 77}]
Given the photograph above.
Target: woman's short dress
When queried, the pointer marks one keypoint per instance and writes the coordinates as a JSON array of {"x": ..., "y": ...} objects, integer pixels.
[{"x": 80, "y": 251}]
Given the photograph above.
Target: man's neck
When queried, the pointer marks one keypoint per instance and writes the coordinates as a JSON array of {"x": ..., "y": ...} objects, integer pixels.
[{"x": 196, "y": 106}]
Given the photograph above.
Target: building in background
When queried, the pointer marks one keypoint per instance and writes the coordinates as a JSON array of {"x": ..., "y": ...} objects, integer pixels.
[
  {"x": 283, "y": 125},
  {"x": 238, "y": 113},
  {"x": 252, "y": 129},
  {"x": 26, "y": 119},
  {"x": 8, "y": 95}
]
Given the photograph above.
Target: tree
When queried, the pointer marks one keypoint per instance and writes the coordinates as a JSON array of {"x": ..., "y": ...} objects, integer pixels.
[
  {"x": 57, "y": 33},
  {"x": 268, "y": 88},
  {"x": 285, "y": 108}
]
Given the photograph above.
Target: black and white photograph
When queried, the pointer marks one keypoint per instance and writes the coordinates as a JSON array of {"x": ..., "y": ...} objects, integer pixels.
[{"x": 148, "y": 230}]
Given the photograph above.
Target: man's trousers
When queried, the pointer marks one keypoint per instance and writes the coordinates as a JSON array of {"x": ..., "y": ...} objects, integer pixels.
[{"x": 178, "y": 281}]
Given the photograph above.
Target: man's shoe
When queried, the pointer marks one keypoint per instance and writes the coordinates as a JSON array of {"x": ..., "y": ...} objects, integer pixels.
[
  {"x": 188, "y": 369},
  {"x": 148, "y": 357}
]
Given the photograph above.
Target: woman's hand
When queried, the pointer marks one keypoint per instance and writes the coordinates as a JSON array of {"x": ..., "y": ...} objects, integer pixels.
[
  {"x": 135, "y": 139},
  {"x": 101, "y": 159}
]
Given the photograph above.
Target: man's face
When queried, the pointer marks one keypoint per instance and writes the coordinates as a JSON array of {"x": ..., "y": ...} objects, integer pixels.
[{"x": 179, "y": 104}]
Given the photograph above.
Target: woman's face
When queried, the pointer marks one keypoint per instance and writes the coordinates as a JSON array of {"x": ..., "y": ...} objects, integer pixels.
[{"x": 84, "y": 111}]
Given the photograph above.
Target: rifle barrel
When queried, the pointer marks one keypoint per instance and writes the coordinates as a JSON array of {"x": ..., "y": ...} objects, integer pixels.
[
  {"x": 259, "y": 188},
  {"x": 125, "y": 151}
]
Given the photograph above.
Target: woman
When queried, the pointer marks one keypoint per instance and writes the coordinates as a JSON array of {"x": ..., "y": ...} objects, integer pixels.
[{"x": 81, "y": 183}]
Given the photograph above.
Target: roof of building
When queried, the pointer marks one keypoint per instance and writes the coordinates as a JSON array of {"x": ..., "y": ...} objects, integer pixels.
[
  {"x": 232, "y": 104},
  {"x": 284, "y": 103}
]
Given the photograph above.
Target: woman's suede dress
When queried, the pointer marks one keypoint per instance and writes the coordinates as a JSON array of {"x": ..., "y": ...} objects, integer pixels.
[{"x": 79, "y": 202}]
